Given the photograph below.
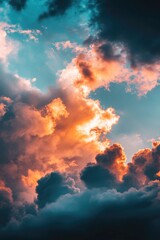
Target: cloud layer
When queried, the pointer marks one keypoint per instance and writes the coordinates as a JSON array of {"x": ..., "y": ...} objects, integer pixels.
[{"x": 104, "y": 209}]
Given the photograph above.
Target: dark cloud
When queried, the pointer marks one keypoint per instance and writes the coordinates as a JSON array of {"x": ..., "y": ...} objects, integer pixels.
[
  {"x": 85, "y": 68},
  {"x": 51, "y": 187},
  {"x": 110, "y": 155},
  {"x": 110, "y": 171},
  {"x": 135, "y": 24},
  {"x": 95, "y": 176},
  {"x": 18, "y": 5},
  {"x": 143, "y": 168},
  {"x": 153, "y": 167},
  {"x": 122, "y": 209},
  {"x": 5, "y": 204},
  {"x": 107, "y": 52},
  {"x": 107, "y": 170},
  {"x": 56, "y": 7},
  {"x": 96, "y": 215}
]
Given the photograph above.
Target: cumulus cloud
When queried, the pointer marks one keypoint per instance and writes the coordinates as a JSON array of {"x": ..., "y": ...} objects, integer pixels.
[
  {"x": 116, "y": 203},
  {"x": 143, "y": 168},
  {"x": 113, "y": 159},
  {"x": 51, "y": 187},
  {"x": 56, "y": 125},
  {"x": 59, "y": 176},
  {"x": 95, "y": 176},
  {"x": 31, "y": 120},
  {"x": 50, "y": 131},
  {"x": 93, "y": 214}
]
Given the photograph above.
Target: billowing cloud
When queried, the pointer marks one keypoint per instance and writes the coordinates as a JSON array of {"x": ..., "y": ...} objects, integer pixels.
[
  {"x": 145, "y": 167},
  {"x": 113, "y": 159},
  {"x": 51, "y": 187},
  {"x": 95, "y": 176},
  {"x": 58, "y": 125},
  {"x": 117, "y": 195},
  {"x": 93, "y": 214},
  {"x": 49, "y": 131},
  {"x": 59, "y": 175},
  {"x": 89, "y": 70}
]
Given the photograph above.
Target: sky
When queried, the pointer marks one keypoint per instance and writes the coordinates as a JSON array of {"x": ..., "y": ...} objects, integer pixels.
[{"x": 79, "y": 119}]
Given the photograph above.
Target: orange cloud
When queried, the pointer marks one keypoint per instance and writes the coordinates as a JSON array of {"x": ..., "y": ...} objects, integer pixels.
[
  {"x": 70, "y": 128},
  {"x": 63, "y": 135},
  {"x": 2, "y": 109},
  {"x": 114, "y": 159},
  {"x": 89, "y": 71}
]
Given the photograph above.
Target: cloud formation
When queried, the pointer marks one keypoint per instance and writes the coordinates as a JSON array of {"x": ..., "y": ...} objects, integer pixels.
[
  {"x": 89, "y": 69},
  {"x": 59, "y": 176},
  {"x": 94, "y": 214},
  {"x": 51, "y": 187},
  {"x": 134, "y": 23},
  {"x": 116, "y": 203},
  {"x": 49, "y": 131}
]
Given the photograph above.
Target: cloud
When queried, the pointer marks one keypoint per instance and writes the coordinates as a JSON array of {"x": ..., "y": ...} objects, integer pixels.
[
  {"x": 95, "y": 176},
  {"x": 2, "y": 109},
  {"x": 56, "y": 7},
  {"x": 113, "y": 159},
  {"x": 50, "y": 131},
  {"x": 107, "y": 203},
  {"x": 31, "y": 120},
  {"x": 112, "y": 171},
  {"x": 50, "y": 138},
  {"x": 6, "y": 202},
  {"x": 18, "y": 5},
  {"x": 12, "y": 85},
  {"x": 7, "y": 46},
  {"x": 51, "y": 187},
  {"x": 135, "y": 24},
  {"x": 90, "y": 70},
  {"x": 94, "y": 214},
  {"x": 143, "y": 168},
  {"x": 47, "y": 188}
]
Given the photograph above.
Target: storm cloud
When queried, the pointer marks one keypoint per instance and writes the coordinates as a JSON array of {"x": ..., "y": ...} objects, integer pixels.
[
  {"x": 93, "y": 215},
  {"x": 135, "y": 24},
  {"x": 51, "y": 187}
]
